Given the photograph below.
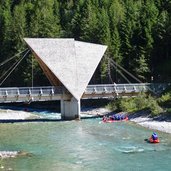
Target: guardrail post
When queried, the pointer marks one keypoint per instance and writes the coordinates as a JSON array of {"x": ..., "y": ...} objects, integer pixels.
[
  {"x": 134, "y": 89},
  {"x": 104, "y": 90},
  {"x": 144, "y": 89},
  {"x": 115, "y": 89},
  {"x": 40, "y": 94},
  {"x": 124, "y": 89},
  {"x": 18, "y": 94},
  {"x": 51, "y": 93},
  {"x": 5, "y": 95},
  {"x": 29, "y": 96},
  {"x": 94, "y": 90},
  {"x": 29, "y": 92}
]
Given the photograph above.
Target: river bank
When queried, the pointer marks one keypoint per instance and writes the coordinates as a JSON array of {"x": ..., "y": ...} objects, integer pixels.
[
  {"x": 7, "y": 114},
  {"x": 160, "y": 123},
  {"x": 143, "y": 118}
]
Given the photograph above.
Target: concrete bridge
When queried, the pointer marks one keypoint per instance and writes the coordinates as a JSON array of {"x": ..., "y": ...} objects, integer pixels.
[
  {"x": 51, "y": 93},
  {"x": 101, "y": 91},
  {"x": 69, "y": 66}
]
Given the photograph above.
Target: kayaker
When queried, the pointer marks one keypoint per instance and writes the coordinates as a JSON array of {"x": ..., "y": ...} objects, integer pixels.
[
  {"x": 104, "y": 118},
  {"x": 154, "y": 136}
]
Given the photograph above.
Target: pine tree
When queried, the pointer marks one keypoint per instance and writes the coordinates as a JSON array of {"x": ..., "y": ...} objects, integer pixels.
[
  {"x": 43, "y": 22},
  {"x": 88, "y": 22},
  {"x": 116, "y": 14},
  {"x": 103, "y": 27},
  {"x": 6, "y": 28},
  {"x": 148, "y": 20},
  {"x": 142, "y": 68},
  {"x": 138, "y": 33},
  {"x": 75, "y": 23},
  {"x": 19, "y": 26},
  {"x": 66, "y": 8},
  {"x": 126, "y": 31},
  {"x": 104, "y": 37}
]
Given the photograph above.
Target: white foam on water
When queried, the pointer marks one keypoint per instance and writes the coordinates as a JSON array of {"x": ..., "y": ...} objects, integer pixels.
[{"x": 130, "y": 149}]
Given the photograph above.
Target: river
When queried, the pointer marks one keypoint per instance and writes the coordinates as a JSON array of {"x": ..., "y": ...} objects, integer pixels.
[{"x": 88, "y": 145}]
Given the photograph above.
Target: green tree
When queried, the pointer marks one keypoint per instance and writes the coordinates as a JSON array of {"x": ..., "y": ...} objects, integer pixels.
[
  {"x": 126, "y": 30},
  {"x": 88, "y": 22},
  {"x": 141, "y": 68},
  {"x": 5, "y": 28},
  {"x": 138, "y": 33},
  {"x": 76, "y": 20},
  {"x": 148, "y": 20},
  {"x": 160, "y": 59},
  {"x": 103, "y": 27},
  {"x": 19, "y": 26},
  {"x": 104, "y": 37},
  {"x": 116, "y": 16},
  {"x": 43, "y": 21},
  {"x": 66, "y": 9}
]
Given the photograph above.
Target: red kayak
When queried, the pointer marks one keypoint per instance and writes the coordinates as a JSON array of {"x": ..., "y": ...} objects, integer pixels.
[
  {"x": 112, "y": 120},
  {"x": 154, "y": 141}
]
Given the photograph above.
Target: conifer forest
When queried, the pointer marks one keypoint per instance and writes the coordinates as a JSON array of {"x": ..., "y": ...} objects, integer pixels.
[{"x": 137, "y": 33}]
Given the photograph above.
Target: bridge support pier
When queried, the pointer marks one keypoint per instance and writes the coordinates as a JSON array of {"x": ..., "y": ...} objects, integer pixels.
[{"x": 70, "y": 109}]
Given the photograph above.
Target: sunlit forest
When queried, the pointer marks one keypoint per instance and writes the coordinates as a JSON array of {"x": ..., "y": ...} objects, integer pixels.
[{"x": 137, "y": 33}]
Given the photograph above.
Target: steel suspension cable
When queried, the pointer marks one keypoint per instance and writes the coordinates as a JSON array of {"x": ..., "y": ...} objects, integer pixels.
[
  {"x": 32, "y": 73},
  {"x": 8, "y": 70},
  {"x": 120, "y": 73},
  {"x": 126, "y": 71},
  {"x": 112, "y": 61},
  {"x": 14, "y": 67},
  {"x": 7, "y": 60},
  {"x": 109, "y": 71}
]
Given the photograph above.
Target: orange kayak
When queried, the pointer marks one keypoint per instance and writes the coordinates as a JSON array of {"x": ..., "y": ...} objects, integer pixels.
[{"x": 154, "y": 141}]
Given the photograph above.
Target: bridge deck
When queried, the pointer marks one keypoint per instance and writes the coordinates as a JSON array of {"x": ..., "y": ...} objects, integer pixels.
[{"x": 27, "y": 94}]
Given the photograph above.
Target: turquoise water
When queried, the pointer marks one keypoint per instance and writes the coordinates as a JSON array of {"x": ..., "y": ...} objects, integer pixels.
[{"x": 86, "y": 145}]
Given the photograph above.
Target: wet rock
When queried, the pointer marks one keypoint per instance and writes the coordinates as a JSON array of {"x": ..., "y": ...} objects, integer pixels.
[{"x": 12, "y": 154}]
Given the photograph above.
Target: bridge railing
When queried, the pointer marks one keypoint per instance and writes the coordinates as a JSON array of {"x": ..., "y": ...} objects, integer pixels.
[
  {"x": 30, "y": 91},
  {"x": 127, "y": 88},
  {"x": 119, "y": 88},
  {"x": 90, "y": 89},
  {"x": 19, "y": 94}
]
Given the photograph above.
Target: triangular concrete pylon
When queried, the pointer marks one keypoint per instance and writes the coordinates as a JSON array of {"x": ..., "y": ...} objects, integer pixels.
[{"x": 68, "y": 61}]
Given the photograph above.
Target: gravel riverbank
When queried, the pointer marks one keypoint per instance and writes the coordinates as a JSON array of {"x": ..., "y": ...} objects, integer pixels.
[
  {"x": 142, "y": 118},
  {"x": 6, "y": 114},
  {"x": 160, "y": 123}
]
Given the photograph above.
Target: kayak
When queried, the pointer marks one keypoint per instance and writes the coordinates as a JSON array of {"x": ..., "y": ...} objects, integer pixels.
[
  {"x": 112, "y": 120},
  {"x": 154, "y": 141}
]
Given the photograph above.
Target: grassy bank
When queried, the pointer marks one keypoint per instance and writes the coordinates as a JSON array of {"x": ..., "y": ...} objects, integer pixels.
[{"x": 156, "y": 105}]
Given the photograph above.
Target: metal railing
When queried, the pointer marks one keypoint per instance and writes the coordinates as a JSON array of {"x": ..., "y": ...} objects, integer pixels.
[
  {"x": 30, "y": 90},
  {"x": 119, "y": 88},
  {"x": 122, "y": 90},
  {"x": 21, "y": 94},
  {"x": 27, "y": 94}
]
